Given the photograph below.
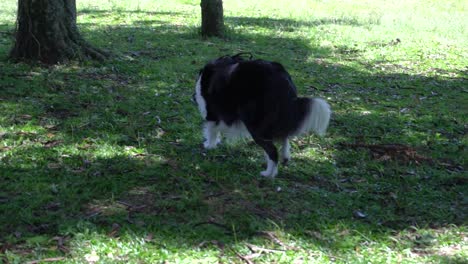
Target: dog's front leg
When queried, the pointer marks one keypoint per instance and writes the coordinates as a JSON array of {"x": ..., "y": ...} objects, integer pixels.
[
  {"x": 271, "y": 156},
  {"x": 211, "y": 133},
  {"x": 285, "y": 151}
]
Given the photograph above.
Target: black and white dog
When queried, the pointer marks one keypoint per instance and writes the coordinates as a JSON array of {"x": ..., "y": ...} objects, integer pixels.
[{"x": 257, "y": 98}]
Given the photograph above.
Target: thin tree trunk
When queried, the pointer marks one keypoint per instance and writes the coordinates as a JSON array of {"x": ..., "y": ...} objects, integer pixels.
[
  {"x": 46, "y": 31},
  {"x": 212, "y": 18}
]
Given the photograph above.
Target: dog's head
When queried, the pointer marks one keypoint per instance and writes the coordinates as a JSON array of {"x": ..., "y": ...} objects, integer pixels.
[
  {"x": 223, "y": 64},
  {"x": 215, "y": 75}
]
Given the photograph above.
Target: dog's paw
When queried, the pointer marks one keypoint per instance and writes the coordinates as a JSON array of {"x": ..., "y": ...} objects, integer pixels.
[
  {"x": 212, "y": 142},
  {"x": 285, "y": 156},
  {"x": 209, "y": 145},
  {"x": 269, "y": 174}
]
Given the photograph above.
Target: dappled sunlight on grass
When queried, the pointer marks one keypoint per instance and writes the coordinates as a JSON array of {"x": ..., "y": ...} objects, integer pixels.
[{"x": 103, "y": 162}]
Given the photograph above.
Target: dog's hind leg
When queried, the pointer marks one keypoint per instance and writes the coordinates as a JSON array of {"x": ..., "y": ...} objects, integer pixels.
[
  {"x": 271, "y": 155},
  {"x": 285, "y": 151},
  {"x": 211, "y": 133}
]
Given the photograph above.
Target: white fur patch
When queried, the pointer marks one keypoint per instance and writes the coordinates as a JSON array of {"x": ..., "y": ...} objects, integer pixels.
[
  {"x": 234, "y": 132},
  {"x": 272, "y": 168},
  {"x": 199, "y": 98},
  {"x": 317, "y": 118},
  {"x": 211, "y": 133}
]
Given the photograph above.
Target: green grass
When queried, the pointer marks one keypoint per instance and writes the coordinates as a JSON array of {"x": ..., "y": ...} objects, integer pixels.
[{"x": 103, "y": 161}]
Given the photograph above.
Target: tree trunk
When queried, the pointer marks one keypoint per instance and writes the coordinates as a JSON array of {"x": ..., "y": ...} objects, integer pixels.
[
  {"x": 46, "y": 31},
  {"x": 212, "y": 18}
]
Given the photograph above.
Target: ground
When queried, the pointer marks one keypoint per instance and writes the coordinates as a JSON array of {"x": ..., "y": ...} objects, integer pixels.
[{"x": 103, "y": 162}]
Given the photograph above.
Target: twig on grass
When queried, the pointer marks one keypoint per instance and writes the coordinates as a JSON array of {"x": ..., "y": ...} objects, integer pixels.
[
  {"x": 227, "y": 229},
  {"x": 385, "y": 152},
  {"x": 245, "y": 259},
  {"x": 272, "y": 237},
  {"x": 46, "y": 260},
  {"x": 257, "y": 249},
  {"x": 217, "y": 243}
]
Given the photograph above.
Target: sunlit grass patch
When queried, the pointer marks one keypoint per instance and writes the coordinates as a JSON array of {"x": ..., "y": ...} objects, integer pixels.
[{"x": 103, "y": 162}]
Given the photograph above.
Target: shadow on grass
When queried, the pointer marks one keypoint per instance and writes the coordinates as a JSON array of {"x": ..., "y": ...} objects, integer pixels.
[
  {"x": 266, "y": 22},
  {"x": 123, "y": 11},
  {"x": 6, "y": 36},
  {"x": 119, "y": 144}
]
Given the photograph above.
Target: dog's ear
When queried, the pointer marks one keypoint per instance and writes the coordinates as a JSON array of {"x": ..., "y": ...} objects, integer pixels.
[
  {"x": 230, "y": 70},
  {"x": 236, "y": 58},
  {"x": 221, "y": 77},
  {"x": 239, "y": 56}
]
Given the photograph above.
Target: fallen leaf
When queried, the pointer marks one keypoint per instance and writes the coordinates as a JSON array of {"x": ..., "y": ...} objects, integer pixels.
[
  {"x": 24, "y": 133},
  {"x": 54, "y": 188},
  {"x": 360, "y": 215},
  {"x": 46, "y": 260},
  {"x": 384, "y": 152},
  {"x": 93, "y": 212},
  {"x": 383, "y": 157},
  {"x": 53, "y": 165},
  {"x": 18, "y": 234},
  {"x": 60, "y": 243},
  {"x": 115, "y": 230},
  {"x": 149, "y": 237},
  {"x": 173, "y": 164},
  {"x": 52, "y": 206},
  {"x": 78, "y": 170},
  {"x": 50, "y": 127},
  {"x": 85, "y": 146},
  {"x": 52, "y": 143},
  {"x": 315, "y": 234},
  {"x": 26, "y": 116},
  {"x": 274, "y": 238},
  {"x": 5, "y": 148}
]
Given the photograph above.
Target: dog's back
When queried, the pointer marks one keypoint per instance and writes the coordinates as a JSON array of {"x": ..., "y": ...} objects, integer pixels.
[{"x": 259, "y": 93}]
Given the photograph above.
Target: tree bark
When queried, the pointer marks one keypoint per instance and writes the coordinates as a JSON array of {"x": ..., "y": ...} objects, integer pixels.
[
  {"x": 46, "y": 31},
  {"x": 212, "y": 18}
]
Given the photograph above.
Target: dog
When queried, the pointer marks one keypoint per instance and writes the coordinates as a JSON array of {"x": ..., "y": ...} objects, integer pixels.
[{"x": 241, "y": 97}]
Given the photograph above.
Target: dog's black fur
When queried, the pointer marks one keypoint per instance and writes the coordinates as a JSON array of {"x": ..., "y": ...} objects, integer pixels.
[{"x": 259, "y": 96}]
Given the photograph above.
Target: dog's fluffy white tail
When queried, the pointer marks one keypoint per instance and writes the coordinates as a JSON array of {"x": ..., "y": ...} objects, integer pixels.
[{"x": 317, "y": 117}]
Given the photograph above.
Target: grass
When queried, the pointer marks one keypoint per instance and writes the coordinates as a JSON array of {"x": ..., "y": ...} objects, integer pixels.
[{"x": 102, "y": 162}]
